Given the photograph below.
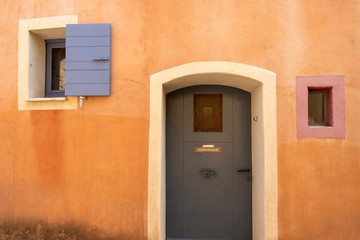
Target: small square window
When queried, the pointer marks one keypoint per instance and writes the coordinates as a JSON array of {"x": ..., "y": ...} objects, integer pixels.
[
  {"x": 55, "y": 68},
  {"x": 318, "y": 105}
]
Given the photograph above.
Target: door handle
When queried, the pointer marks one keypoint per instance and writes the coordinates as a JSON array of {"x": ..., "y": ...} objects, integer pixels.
[{"x": 249, "y": 177}]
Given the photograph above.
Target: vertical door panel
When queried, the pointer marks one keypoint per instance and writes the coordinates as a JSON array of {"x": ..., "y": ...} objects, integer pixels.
[
  {"x": 208, "y": 199},
  {"x": 242, "y": 198},
  {"x": 174, "y": 166}
]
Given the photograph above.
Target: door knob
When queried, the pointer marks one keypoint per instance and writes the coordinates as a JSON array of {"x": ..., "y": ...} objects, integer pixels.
[{"x": 243, "y": 170}]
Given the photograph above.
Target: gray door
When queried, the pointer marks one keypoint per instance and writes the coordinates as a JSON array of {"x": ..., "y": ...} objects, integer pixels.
[{"x": 208, "y": 163}]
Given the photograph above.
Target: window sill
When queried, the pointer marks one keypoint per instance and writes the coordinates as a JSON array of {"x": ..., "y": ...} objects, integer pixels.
[
  {"x": 56, "y": 103},
  {"x": 46, "y": 99},
  {"x": 320, "y": 126}
]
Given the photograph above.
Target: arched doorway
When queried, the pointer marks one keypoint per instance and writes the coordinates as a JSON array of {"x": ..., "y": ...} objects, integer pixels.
[{"x": 262, "y": 86}]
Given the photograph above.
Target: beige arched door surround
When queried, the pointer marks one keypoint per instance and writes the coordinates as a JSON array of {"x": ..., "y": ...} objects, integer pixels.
[{"x": 261, "y": 84}]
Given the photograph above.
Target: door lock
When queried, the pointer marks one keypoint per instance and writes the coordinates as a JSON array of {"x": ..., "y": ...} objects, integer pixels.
[{"x": 247, "y": 170}]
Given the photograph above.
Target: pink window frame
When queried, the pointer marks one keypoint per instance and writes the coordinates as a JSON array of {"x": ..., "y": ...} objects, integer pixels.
[{"x": 336, "y": 112}]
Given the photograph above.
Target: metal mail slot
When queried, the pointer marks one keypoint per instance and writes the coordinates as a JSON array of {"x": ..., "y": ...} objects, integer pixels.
[{"x": 208, "y": 149}]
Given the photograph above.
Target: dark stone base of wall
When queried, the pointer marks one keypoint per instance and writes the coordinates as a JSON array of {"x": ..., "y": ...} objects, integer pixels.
[{"x": 41, "y": 231}]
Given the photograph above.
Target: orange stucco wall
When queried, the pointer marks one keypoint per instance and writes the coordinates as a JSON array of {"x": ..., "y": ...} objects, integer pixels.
[{"x": 90, "y": 165}]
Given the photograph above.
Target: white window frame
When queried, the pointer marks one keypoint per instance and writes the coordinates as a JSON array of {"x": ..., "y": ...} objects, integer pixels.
[{"x": 31, "y": 62}]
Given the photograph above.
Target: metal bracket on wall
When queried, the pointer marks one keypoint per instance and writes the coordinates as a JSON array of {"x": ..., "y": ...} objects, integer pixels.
[{"x": 81, "y": 98}]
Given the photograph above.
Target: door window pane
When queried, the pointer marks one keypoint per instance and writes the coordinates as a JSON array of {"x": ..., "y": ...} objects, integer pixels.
[{"x": 207, "y": 112}]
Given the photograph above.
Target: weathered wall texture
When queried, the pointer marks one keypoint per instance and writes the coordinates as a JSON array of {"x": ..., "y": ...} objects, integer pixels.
[{"x": 90, "y": 166}]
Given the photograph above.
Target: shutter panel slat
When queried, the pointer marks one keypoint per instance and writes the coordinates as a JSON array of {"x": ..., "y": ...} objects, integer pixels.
[
  {"x": 87, "y": 65},
  {"x": 88, "y": 30},
  {"x": 86, "y": 54},
  {"x": 88, "y": 59},
  {"x": 96, "y": 76},
  {"x": 88, "y": 41},
  {"x": 77, "y": 89}
]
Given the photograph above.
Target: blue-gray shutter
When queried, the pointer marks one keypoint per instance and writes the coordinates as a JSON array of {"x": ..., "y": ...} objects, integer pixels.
[{"x": 88, "y": 59}]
